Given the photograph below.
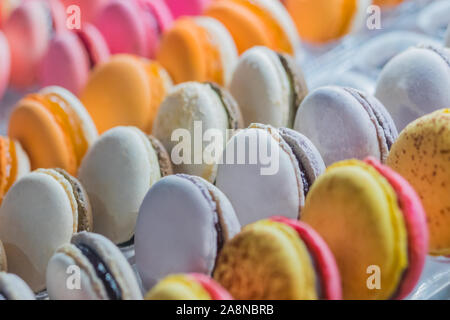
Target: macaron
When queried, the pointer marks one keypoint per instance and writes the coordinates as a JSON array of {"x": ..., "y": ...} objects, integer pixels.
[
  {"x": 126, "y": 90},
  {"x": 71, "y": 56},
  {"x": 54, "y": 129},
  {"x": 425, "y": 67},
  {"x": 257, "y": 22},
  {"x": 135, "y": 26},
  {"x": 422, "y": 155},
  {"x": 89, "y": 9},
  {"x": 187, "y": 7},
  {"x": 198, "y": 49},
  {"x": 320, "y": 21},
  {"x": 14, "y": 288},
  {"x": 273, "y": 182},
  {"x": 5, "y": 64},
  {"x": 278, "y": 259},
  {"x": 191, "y": 110},
  {"x": 39, "y": 214},
  {"x": 117, "y": 172},
  {"x": 3, "y": 259},
  {"x": 345, "y": 123},
  {"x": 268, "y": 86},
  {"x": 186, "y": 220},
  {"x": 192, "y": 286},
  {"x": 14, "y": 164},
  {"x": 375, "y": 225},
  {"x": 29, "y": 29},
  {"x": 105, "y": 273}
]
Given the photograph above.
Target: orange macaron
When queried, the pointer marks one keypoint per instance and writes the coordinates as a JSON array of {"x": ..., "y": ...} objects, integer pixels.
[
  {"x": 198, "y": 49},
  {"x": 256, "y": 22},
  {"x": 14, "y": 163},
  {"x": 54, "y": 129},
  {"x": 126, "y": 91}
]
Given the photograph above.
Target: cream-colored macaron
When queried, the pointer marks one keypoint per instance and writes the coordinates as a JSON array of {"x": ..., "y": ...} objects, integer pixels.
[
  {"x": 117, "y": 172},
  {"x": 40, "y": 213}
]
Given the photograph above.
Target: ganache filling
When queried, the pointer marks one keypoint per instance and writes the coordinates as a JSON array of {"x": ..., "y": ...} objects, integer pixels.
[{"x": 111, "y": 286}]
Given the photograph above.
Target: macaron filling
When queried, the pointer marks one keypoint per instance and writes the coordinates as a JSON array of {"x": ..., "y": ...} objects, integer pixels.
[
  {"x": 230, "y": 106},
  {"x": 151, "y": 17},
  {"x": 68, "y": 120},
  {"x": 272, "y": 26},
  {"x": 102, "y": 271},
  {"x": 386, "y": 136}
]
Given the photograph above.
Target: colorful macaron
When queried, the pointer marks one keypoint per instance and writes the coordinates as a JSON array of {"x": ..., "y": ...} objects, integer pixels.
[
  {"x": 191, "y": 110},
  {"x": 257, "y": 22},
  {"x": 422, "y": 155},
  {"x": 375, "y": 225},
  {"x": 276, "y": 181},
  {"x": 14, "y": 164},
  {"x": 5, "y": 64},
  {"x": 71, "y": 56},
  {"x": 321, "y": 21},
  {"x": 39, "y": 214},
  {"x": 187, "y": 7},
  {"x": 425, "y": 67},
  {"x": 29, "y": 29},
  {"x": 134, "y": 26},
  {"x": 126, "y": 90},
  {"x": 14, "y": 288},
  {"x": 198, "y": 49},
  {"x": 268, "y": 86},
  {"x": 191, "y": 286},
  {"x": 54, "y": 129},
  {"x": 104, "y": 270},
  {"x": 278, "y": 259},
  {"x": 184, "y": 221},
  {"x": 345, "y": 123},
  {"x": 117, "y": 172}
]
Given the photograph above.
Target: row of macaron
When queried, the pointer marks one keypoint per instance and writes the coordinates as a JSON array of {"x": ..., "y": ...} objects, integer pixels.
[
  {"x": 181, "y": 223},
  {"x": 42, "y": 50}
]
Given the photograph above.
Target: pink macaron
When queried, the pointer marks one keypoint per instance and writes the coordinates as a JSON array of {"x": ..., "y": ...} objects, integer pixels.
[
  {"x": 88, "y": 8},
  {"x": 416, "y": 225},
  {"x": 134, "y": 26},
  {"x": 187, "y": 7},
  {"x": 325, "y": 263},
  {"x": 5, "y": 64},
  {"x": 29, "y": 29},
  {"x": 71, "y": 56}
]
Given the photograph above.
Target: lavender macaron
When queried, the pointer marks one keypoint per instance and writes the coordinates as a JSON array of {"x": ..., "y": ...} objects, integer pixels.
[
  {"x": 345, "y": 123},
  {"x": 182, "y": 225},
  {"x": 268, "y": 183}
]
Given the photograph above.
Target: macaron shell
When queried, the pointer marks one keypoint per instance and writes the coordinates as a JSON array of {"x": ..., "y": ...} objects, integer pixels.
[
  {"x": 128, "y": 36},
  {"x": 176, "y": 219},
  {"x": 425, "y": 67},
  {"x": 14, "y": 287},
  {"x": 187, "y": 103},
  {"x": 215, "y": 290},
  {"x": 267, "y": 261},
  {"x": 325, "y": 264},
  {"x": 88, "y": 8},
  {"x": 95, "y": 43},
  {"x": 416, "y": 225},
  {"x": 41, "y": 137},
  {"x": 117, "y": 93},
  {"x": 3, "y": 261},
  {"x": 338, "y": 125},
  {"x": 421, "y": 156},
  {"x": 361, "y": 202},
  {"x": 178, "y": 287},
  {"x": 249, "y": 186},
  {"x": 32, "y": 229},
  {"x": 65, "y": 64},
  {"x": 187, "y": 7},
  {"x": 115, "y": 261},
  {"x": 27, "y": 30},
  {"x": 262, "y": 88},
  {"x": 5, "y": 63},
  {"x": 116, "y": 190}
]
